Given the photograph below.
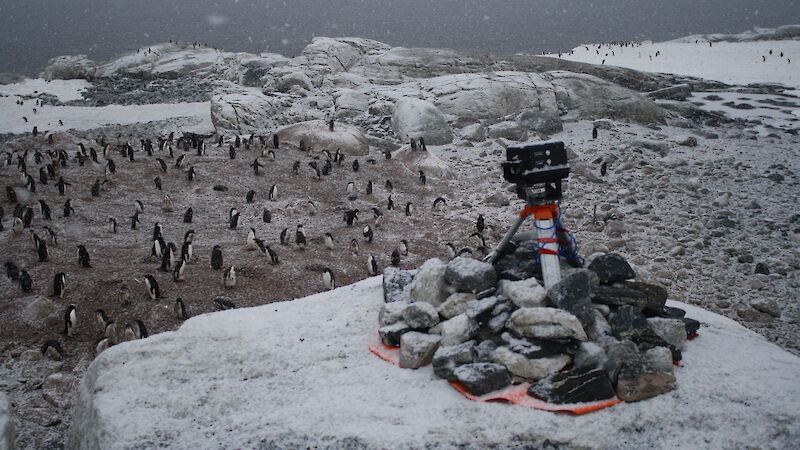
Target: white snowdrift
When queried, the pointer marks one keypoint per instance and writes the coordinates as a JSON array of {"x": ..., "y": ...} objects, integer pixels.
[
  {"x": 47, "y": 117},
  {"x": 298, "y": 374},
  {"x": 65, "y": 90}
]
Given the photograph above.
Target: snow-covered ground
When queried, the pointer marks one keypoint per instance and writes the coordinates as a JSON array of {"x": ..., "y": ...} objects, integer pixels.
[
  {"x": 298, "y": 374},
  {"x": 729, "y": 62},
  {"x": 64, "y": 90},
  {"x": 47, "y": 117}
]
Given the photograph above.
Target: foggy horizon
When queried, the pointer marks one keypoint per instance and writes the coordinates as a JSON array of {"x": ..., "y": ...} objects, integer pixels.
[{"x": 37, "y": 30}]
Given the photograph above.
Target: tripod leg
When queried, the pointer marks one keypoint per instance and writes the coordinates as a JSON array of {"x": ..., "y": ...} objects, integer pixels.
[
  {"x": 551, "y": 270},
  {"x": 494, "y": 254}
]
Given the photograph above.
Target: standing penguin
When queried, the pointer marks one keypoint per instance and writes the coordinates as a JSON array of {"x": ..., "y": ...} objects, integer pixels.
[
  {"x": 300, "y": 237},
  {"x": 59, "y": 284},
  {"x": 41, "y": 250},
  {"x": 135, "y": 221},
  {"x": 594, "y": 133},
  {"x": 328, "y": 280},
  {"x": 451, "y": 250},
  {"x": 603, "y": 169},
  {"x": 283, "y": 236},
  {"x": 179, "y": 309},
  {"x": 273, "y": 193},
  {"x": 68, "y": 209},
  {"x": 187, "y": 216},
  {"x": 83, "y": 257},
  {"x": 372, "y": 266},
  {"x": 266, "y": 216},
  {"x": 367, "y": 232},
  {"x": 139, "y": 330},
  {"x": 396, "y": 258},
  {"x": 354, "y": 247},
  {"x": 25, "y": 281},
  {"x": 390, "y": 203},
  {"x": 355, "y": 165},
  {"x": 70, "y": 320},
  {"x": 422, "y": 178},
  {"x": 249, "y": 197},
  {"x": 480, "y": 224},
  {"x": 216, "y": 258},
  {"x": 151, "y": 285},
  {"x": 111, "y": 226},
  {"x": 234, "y": 220},
  {"x": 329, "y": 241},
  {"x": 124, "y": 294},
  {"x": 409, "y": 209},
  {"x": 275, "y": 140},
  {"x": 177, "y": 271},
  {"x": 45, "y": 209},
  {"x": 251, "y": 239},
  {"x": 403, "y": 247},
  {"x": 191, "y": 174},
  {"x": 229, "y": 277}
]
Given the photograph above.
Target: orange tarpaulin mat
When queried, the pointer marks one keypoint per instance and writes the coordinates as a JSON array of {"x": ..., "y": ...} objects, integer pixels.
[{"x": 516, "y": 394}]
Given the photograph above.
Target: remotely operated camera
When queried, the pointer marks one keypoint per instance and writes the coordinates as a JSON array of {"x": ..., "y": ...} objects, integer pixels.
[{"x": 537, "y": 169}]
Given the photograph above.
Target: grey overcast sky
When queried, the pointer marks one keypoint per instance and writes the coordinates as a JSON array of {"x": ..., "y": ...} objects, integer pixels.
[{"x": 32, "y": 31}]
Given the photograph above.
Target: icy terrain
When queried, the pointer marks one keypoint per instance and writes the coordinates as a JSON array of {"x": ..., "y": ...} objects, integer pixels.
[{"x": 700, "y": 194}]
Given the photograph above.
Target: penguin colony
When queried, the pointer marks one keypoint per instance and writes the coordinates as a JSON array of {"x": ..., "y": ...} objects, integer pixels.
[{"x": 121, "y": 255}]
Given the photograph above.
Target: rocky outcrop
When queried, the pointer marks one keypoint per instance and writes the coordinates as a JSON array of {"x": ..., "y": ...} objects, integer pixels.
[
  {"x": 414, "y": 118},
  {"x": 69, "y": 68},
  {"x": 242, "y": 110}
]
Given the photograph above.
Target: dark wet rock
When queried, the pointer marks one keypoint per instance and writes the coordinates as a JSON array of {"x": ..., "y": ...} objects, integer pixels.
[
  {"x": 572, "y": 293},
  {"x": 483, "y": 378},
  {"x": 447, "y": 358},
  {"x": 390, "y": 335},
  {"x": 574, "y": 386},
  {"x": 220, "y": 187},
  {"x": 484, "y": 352},
  {"x": 612, "y": 267},
  {"x": 691, "y": 325},
  {"x": 533, "y": 348},
  {"x": 762, "y": 268},
  {"x": 649, "y": 300}
]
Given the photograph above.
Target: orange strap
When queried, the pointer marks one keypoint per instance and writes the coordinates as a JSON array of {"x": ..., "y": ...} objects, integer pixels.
[{"x": 540, "y": 212}]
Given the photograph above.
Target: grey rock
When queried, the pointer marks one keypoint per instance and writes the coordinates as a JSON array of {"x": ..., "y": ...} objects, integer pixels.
[
  {"x": 498, "y": 322},
  {"x": 766, "y": 305},
  {"x": 638, "y": 145},
  {"x": 38, "y": 309},
  {"x": 640, "y": 382},
  {"x": 678, "y": 92},
  {"x": 429, "y": 284},
  {"x": 31, "y": 355},
  {"x": 417, "y": 349},
  {"x": 530, "y": 369},
  {"x": 572, "y": 293},
  {"x": 689, "y": 141},
  {"x": 474, "y": 133},
  {"x": 532, "y": 348},
  {"x": 645, "y": 296},
  {"x": 482, "y": 309},
  {"x": 672, "y": 331},
  {"x": 483, "y": 378},
  {"x": 508, "y": 130},
  {"x": 415, "y": 118},
  {"x": 470, "y": 275},
  {"x": 391, "y": 313},
  {"x": 546, "y": 323},
  {"x": 391, "y": 334},
  {"x": 420, "y": 315},
  {"x": 497, "y": 199},
  {"x": 458, "y": 329},
  {"x": 612, "y": 267},
  {"x": 589, "y": 356},
  {"x": 455, "y": 304},
  {"x": 762, "y": 268},
  {"x": 619, "y": 353},
  {"x": 396, "y": 284},
  {"x": 57, "y": 389},
  {"x": 447, "y": 358},
  {"x": 659, "y": 358},
  {"x": 526, "y": 293},
  {"x": 484, "y": 352}
]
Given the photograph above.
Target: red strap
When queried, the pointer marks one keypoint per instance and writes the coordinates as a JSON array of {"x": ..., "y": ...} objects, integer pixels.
[
  {"x": 545, "y": 251},
  {"x": 548, "y": 240}
]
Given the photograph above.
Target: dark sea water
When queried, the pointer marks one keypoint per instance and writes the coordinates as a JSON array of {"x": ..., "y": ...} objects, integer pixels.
[{"x": 32, "y": 31}]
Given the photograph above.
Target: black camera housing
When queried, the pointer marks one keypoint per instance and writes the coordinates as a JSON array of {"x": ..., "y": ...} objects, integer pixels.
[{"x": 540, "y": 163}]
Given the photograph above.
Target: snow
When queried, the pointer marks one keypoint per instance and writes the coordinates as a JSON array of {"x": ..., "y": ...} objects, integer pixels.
[
  {"x": 85, "y": 118},
  {"x": 298, "y": 373},
  {"x": 729, "y": 62},
  {"x": 65, "y": 90}
]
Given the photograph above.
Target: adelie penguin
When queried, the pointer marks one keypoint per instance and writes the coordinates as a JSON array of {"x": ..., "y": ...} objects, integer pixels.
[
  {"x": 101, "y": 345},
  {"x": 179, "y": 309},
  {"x": 68, "y": 209},
  {"x": 52, "y": 238},
  {"x": 223, "y": 303},
  {"x": 216, "y": 258},
  {"x": 284, "y": 235},
  {"x": 256, "y": 166},
  {"x": 354, "y": 247},
  {"x": 102, "y": 319},
  {"x": 151, "y": 286},
  {"x": 12, "y": 271},
  {"x": 273, "y": 193},
  {"x": 422, "y": 178},
  {"x": 178, "y": 270},
  {"x": 83, "y": 257},
  {"x": 135, "y": 221},
  {"x": 139, "y": 206},
  {"x": 328, "y": 280},
  {"x": 139, "y": 330},
  {"x": 249, "y": 197},
  {"x": 367, "y": 232},
  {"x": 186, "y": 252},
  {"x": 403, "y": 247},
  {"x": 157, "y": 183},
  {"x": 41, "y": 251},
  {"x": 451, "y": 250},
  {"x": 439, "y": 204},
  {"x": 390, "y": 203},
  {"x": 25, "y": 281},
  {"x": 266, "y": 216},
  {"x": 180, "y": 161},
  {"x": 251, "y": 239},
  {"x": 480, "y": 224},
  {"x": 124, "y": 294},
  {"x": 229, "y": 277},
  {"x": 70, "y": 321},
  {"x": 52, "y": 349},
  {"x": 234, "y": 221},
  {"x": 409, "y": 209},
  {"x": 162, "y": 165},
  {"x": 190, "y": 174},
  {"x": 59, "y": 284},
  {"x": 594, "y": 133},
  {"x": 187, "y": 216},
  {"x": 329, "y": 241},
  {"x": 603, "y": 169},
  {"x": 300, "y": 237},
  {"x": 372, "y": 266},
  {"x": 355, "y": 165}
]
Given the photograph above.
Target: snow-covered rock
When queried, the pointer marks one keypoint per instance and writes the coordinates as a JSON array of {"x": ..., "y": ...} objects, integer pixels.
[
  {"x": 524, "y": 293},
  {"x": 294, "y": 79},
  {"x": 242, "y": 110},
  {"x": 530, "y": 368},
  {"x": 350, "y": 103},
  {"x": 473, "y": 133},
  {"x": 414, "y": 118},
  {"x": 401, "y": 63},
  {"x": 589, "y": 97},
  {"x": 429, "y": 284},
  {"x": 69, "y": 67},
  {"x": 349, "y": 139},
  {"x": 260, "y": 377},
  {"x": 432, "y": 165}
]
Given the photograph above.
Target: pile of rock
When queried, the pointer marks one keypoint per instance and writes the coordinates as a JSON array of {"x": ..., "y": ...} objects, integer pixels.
[{"x": 595, "y": 334}]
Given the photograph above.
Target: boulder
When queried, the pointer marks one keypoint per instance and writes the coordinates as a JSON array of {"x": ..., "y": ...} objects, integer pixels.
[
  {"x": 508, "y": 130},
  {"x": 57, "y": 389},
  {"x": 497, "y": 199},
  {"x": 640, "y": 145},
  {"x": 241, "y": 110},
  {"x": 470, "y": 275},
  {"x": 484, "y": 352},
  {"x": 672, "y": 331},
  {"x": 525, "y": 293},
  {"x": 640, "y": 381},
  {"x": 574, "y": 386},
  {"x": 69, "y": 67},
  {"x": 6, "y": 423},
  {"x": 572, "y": 293},
  {"x": 530, "y": 369},
  {"x": 38, "y": 309},
  {"x": 678, "y": 92},
  {"x": 644, "y": 296},
  {"x": 391, "y": 313},
  {"x": 659, "y": 358},
  {"x": 588, "y": 97},
  {"x": 619, "y": 353},
  {"x": 532, "y": 348},
  {"x": 429, "y": 284},
  {"x": 417, "y": 349},
  {"x": 482, "y": 309},
  {"x": 414, "y": 118},
  {"x": 432, "y": 165},
  {"x": 420, "y": 315},
  {"x": 350, "y": 103},
  {"x": 473, "y": 133},
  {"x": 294, "y": 79},
  {"x": 348, "y": 139},
  {"x": 589, "y": 356},
  {"x": 612, "y": 267},
  {"x": 448, "y": 358},
  {"x": 546, "y": 323},
  {"x": 455, "y": 304},
  {"x": 482, "y": 378},
  {"x": 458, "y": 329}
]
